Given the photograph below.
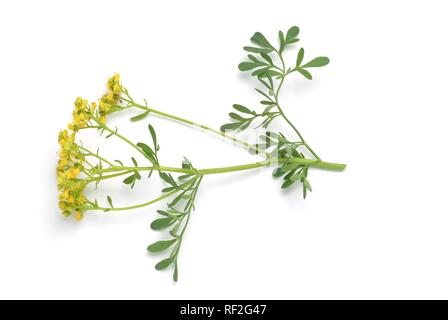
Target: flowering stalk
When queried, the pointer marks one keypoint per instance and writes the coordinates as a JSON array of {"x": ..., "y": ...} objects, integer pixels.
[{"x": 79, "y": 166}]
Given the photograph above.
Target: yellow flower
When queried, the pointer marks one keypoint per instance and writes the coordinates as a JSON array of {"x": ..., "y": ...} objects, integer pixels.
[
  {"x": 110, "y": 98},
  {"x": 80, "y": 103},
  {"x": 71, "y": 160},
  {"x": 70, "y": 165},
  {"x": 73, "y": 173},
  {"x": 81, "y": 114},
  {"x": 79, "y": 215},
  {"x": 114, "y": 84}
]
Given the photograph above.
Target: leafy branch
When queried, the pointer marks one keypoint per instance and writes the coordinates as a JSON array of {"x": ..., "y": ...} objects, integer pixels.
[
  {"x": 175, "y": 218},
  {"x": 79, "y": 166},
  {"x": 271, "y": 74},
  {"x": 267, "y": 64}
]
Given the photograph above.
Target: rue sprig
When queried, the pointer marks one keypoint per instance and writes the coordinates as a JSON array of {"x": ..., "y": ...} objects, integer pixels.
[{"x": 79, "y": 166}]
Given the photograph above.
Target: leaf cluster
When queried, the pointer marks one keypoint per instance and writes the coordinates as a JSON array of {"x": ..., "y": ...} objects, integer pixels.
[
  {"x": 175, "y": 217},
  {"x": 280, "y": 147},
  {"x": 266, "y": 63}
]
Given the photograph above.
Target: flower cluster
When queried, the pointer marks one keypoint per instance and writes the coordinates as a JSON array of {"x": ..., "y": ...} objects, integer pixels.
[
  {"x": 70, "y": 165},
  {"x": 82, "y": 114},
  {"x": 111, "y": 98}
]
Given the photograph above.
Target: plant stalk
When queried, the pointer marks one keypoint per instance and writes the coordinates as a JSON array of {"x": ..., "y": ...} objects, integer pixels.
[{"x": 246, "y": 145}]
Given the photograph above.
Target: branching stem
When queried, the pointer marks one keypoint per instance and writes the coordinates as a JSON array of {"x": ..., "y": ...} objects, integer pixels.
[
  {"x": 245, "y": 144},
  {"x": 282, "y": 113}
]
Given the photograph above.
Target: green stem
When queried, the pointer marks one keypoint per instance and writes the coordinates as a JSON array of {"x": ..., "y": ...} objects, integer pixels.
[
  {"x": 188, "y": 217},
  {"x": 101, "y": 178},
  {"x": 276, "y": 95},
  {"x": 166, "y": 195},
  {"x": 309, "y": 162},
  {"x": 95, "y": 155},
  {"x": 192, "y": 123}
]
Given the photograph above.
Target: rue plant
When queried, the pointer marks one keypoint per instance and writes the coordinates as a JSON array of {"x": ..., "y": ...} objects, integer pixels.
[{"x": 291, "y": 157}]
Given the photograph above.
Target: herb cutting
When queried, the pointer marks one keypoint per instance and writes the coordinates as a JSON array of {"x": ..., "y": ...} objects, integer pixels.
[{"x": 291, "y": 157}]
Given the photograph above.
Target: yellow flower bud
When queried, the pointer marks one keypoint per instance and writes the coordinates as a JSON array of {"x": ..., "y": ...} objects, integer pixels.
[
  {"x": 79, "y": 216},
  {"x": 78, "y": 102}
]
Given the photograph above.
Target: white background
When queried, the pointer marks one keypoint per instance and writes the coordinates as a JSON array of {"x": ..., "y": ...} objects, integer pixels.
[{"x": 377, "y": 230}]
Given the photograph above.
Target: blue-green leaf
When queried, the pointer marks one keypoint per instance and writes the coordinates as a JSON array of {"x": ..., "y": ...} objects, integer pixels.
[
  {"x": 257, "y": 50},
  {"x": 160, "y": 224},
  {"x": 140, "y": 116},
  {"x": 300, "y": 57},
  {"x": 317, "y": 62},
  {"x": 305, "y": 73},
  {"x": 291, "y": 35},
  {"x": 160, "y": 246},
  {"x": 150, "y": 155},
  {"x": 246, "y": 66},
  {"x": 164, "y": 264},
  {"x": 259, "y": 38},
  {"x": 242, "y": 109},
  {"x": 109, "y": 199}
]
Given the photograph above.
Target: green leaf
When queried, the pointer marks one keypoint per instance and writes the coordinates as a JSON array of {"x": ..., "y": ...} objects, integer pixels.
[
  {"x": 271, "y": 73},
  {"x": 237, "y": 117},
  {"x": 267, "y": 58},
  {"x": 119, "y": 162},
  {"x": 160, "y": 246},
  {"x": 134, "y": 162},
  {"x": 307, "y": 184},
  {"x": 256, "y": 61},
  {"x": 281, "y": 37},
  {"x": 317, "y": 62},
  {"x": 277, "y": 172},
  {"x": 300, "y": 57},
  {"x": 165, "y": 213},
  {"x": 168, "y": 189},
  {"x": 109, "y": 199},
  {"x": 150, "y": 155},
  {"x": 177, "y": 199},
  {"x": 242, "y": 109},
  {"x": 289, "y": 166},
  {"x": 260, "y": 71},
  {"x": 129, "y": 180},
  {"x": 230, "y": 126},
  {"x": 245, "y": 125},
  {"x": 160, "y": 224},
  {"x": 153, "y": 135},
  {"x": 176, "y": 272},
  {"x": 246, "y": 66},
  {"x": 260, "y": 39},
  {"x": 140, "y": 116},
  {"x": 186, "y": 164},
  {"x": 164, "y": 264},
  {"x": 257, "y": 50},
  {"x": 168, "y": 178},
  {"x": 263, "y": 94},
  {"x": 297, "y": 177},
  {"x": 305, "y": 73},
  {"x": 291, "y": 35},
  {"x": 287, "y": 184},
  {"x": 289, "y": 175}
]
